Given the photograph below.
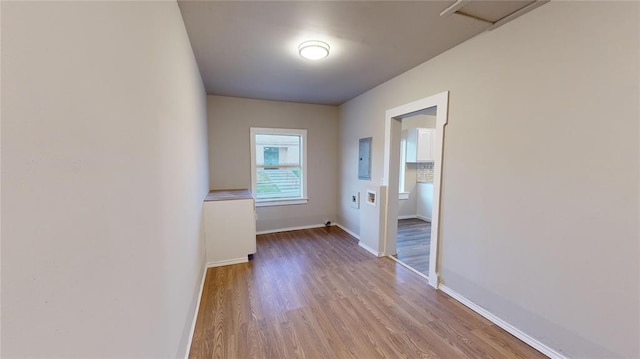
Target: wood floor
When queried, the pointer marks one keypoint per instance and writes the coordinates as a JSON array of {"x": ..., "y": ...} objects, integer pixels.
[
  {"x": 316, "y": 294},
  {"x": 413, "y": 244}
]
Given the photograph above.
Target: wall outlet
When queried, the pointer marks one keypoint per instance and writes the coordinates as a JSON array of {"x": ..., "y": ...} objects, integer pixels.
[{"x": 355, "y": 200}]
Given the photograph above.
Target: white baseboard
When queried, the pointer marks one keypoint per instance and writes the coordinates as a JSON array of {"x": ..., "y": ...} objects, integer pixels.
[
  {"x": 195, "y": 314},
  {"x": 410, "y": 216},
  {"x": 536, "y": 344},
  {"x": 227, "y": 262},
  {"x": 360, "y": 243},
  {"x": 409, "y": 267},
  {"x": 290, "y": 229},
  {"x": 348, "y": 231},
  {"x": 424, "y": 218},
  {"x": 369, "y": 249}
]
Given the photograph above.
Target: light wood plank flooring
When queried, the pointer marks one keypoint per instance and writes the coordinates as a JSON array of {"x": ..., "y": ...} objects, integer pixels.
[
  {"x": 316, "y": 294},
  {"x": 413, "y": 244}
]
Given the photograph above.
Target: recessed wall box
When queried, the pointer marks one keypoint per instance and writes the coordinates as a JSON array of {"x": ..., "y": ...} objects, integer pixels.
[
  {"x": 355, "y": 200},
  {"x": 371, "y": 198}
]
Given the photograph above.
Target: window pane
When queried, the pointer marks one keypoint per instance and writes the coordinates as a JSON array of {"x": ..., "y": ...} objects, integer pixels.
[
  {"x": 278, "y": 183},
  {"x": 274, "y": 150},
  {"x": 271, "y": 155}
]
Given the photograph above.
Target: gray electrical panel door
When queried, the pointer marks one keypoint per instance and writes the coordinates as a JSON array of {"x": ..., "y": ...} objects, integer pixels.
[{"x": 364, "y": 162}]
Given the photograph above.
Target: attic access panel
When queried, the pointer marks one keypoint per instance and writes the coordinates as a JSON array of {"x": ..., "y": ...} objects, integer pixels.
[
  {"x": 493, "y": 10},
  {"x": 493, "y": 13}
]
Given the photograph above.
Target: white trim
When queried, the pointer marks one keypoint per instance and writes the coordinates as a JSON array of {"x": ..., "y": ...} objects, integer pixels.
[
  {"x": 403, "y": 195},
  {"x": 369, "y": 249},
  {"x": 414, "y": 270},
  {"x": 536, "y": 344},
  {"x": 411, "y": 216},
  {"x": 227, "y": 262},
  {"x": 280, "y": 202},
  {"x": 454, "y": 7},
  {"x": 423, "y": 218},
  {"x": 410, "y": 268},
  {"x": 392, "y": 124},
  {"x": 195, "y": 314},
  {"x": 517, "y": 14},
  {"x": 348, "y": 231},
  {"x": 268, "y": 231}
]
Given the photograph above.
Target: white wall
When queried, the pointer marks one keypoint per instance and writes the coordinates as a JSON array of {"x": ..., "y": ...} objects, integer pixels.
[
  {"x": 419, "y": 121},
  {"x": 540, "y": 196},
  {"x": 230, "y": 119},
  {"x": 408, "y": 207},
  {"x": 424, "y": 201},
  {"x": 104, "y": 170}
]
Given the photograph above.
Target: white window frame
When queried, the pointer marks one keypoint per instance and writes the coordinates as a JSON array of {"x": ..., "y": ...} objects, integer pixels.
[{"x": 303, "y": 166}]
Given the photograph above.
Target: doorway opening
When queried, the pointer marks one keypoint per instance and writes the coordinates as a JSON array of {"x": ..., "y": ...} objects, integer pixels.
[
  {"x": 422, "y": 145},
  {"x": 415, "y": 200}
]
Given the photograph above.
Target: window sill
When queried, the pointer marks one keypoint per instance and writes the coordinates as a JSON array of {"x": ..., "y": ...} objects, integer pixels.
[
  {"x": 281, "y": 202},
  {"x": 403, "y": 195}
]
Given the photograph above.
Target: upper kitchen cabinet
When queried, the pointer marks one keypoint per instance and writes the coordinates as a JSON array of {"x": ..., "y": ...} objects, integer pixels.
[{"x": 420, "y": 145}]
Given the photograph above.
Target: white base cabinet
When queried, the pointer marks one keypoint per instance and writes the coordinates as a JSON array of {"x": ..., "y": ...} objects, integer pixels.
[{"x": 230, "y": 227}]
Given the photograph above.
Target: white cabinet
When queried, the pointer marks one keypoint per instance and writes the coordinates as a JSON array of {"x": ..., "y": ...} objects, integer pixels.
[
  {"x": 421, "y": 145},
  {"x": 230, "y": 227}
]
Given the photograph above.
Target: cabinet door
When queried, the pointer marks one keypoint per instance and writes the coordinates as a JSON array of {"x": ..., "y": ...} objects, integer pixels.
[{"x": 426, "y": 139}]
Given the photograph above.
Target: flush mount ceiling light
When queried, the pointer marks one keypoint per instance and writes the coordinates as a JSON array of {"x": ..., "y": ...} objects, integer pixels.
[{"x": 313, "y": 50}]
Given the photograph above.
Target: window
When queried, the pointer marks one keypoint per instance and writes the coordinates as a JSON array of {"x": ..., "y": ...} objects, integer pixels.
[{"x": 278, "y": 166}]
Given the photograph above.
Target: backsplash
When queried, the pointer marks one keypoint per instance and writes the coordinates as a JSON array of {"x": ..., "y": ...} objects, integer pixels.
[{"x": 424, "y": 172}]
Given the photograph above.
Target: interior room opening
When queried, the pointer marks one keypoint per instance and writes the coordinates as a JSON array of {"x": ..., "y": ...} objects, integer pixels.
[{"x": 415, "y": 199}]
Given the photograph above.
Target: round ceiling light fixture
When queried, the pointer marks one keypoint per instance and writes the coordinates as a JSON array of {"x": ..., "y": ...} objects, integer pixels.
[{"x": 313, "y": 50}]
